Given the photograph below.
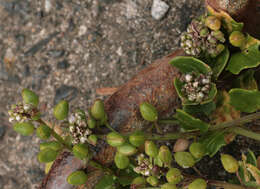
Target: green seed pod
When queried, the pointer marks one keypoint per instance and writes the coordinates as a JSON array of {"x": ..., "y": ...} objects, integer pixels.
[
  {"x": 139, "y": 182},
  {"x": 213, "y": 23},
  {"x": 121, "y": 161},
  {"x": 198, "y": 184},
  {"x": 54, "y": 145},
  {"x": 127, "y": 149},
  {"x": 47, "y": 155},
  {"x": 220, "y": 48},
  {"x": 98, "y": 110},
  {"x": 152, "y": 180},
  {"x": 174, "y": 176},
  {"x": 148, "y": 112},
  {"x": 115, "y": 139},
  {"x": 237, "y": 39},
  {"x": 24, "y": 128},
  {"x": 61, "y": 110},
  {"x": 93, "y": 139},
  {"x": 219, "y": 36},
  {"x": 151, "y": 149},
  {"x": 137, "y": 139},
  {"x": 77, "y": 178},
  {"x": 48, "y": 167},
  {"x": 197, "y": 150},
  {"x": 184, "y": 159},
  {"x": 29, "y": 97},
  {"x": 43, "y": 132},
  {"x": 91, "y": 123},
  {"x": 204, "y": 32},
  {"x": 80, "y": 151},
  {"x": 229, "y": 163},
  {"x": 165, "y": 155},
  {"x": 168, "y": 186}
]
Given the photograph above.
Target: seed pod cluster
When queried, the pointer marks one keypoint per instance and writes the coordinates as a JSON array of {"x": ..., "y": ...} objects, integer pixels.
[
  {"x": 203, "y": 36},
  {"x": 196, "y": 86}
]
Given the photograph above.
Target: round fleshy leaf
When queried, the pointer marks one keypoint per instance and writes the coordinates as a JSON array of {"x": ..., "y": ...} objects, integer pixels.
[
  {"x": 98, "y": 110},
  {"x": 151, "y": 149},
  {"x": 137, "y": 139},
  {"x": 43, "y": 132},
  {"x": 198, "y": 184},
  {"x": 121, "y": 161},
  {"x": 197, "y": 150},
  {"x": 115, "y": 139},
  {"x": 29, "y": 97},
  {"x": 127, "y": 149},
  {"x": 77, "y": 178},
  {"x": 54, "y": 145},
  {"x": 184, "y": 159},
  {"x": 229, "y": 163},
  {"x": 174, "y": 176},
  {"x": 61, "y": 110},
  {"x": 152, "y": 180},
  {"x": 80, "y": 151},
  {"x": 47, "y": 155},
  {"x": 24, "y": 128},
  {"x": 148, "y": 112}
]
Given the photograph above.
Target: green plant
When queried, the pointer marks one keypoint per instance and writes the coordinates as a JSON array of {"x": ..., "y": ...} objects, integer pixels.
[{"x": 144, "y": 158}]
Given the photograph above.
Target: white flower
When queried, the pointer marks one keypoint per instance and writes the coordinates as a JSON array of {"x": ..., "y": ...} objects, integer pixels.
[
  {"x": 26, "y": 107},
  {"x": 11, "y": 119},
  {"x": 83, "y": 139}
]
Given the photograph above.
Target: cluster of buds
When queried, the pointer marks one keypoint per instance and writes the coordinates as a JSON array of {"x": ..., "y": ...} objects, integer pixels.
[
  {"x": 203, "y": 36},
  {"x": 196, "y": 87},
  {"x": 146, "y": 167},
  {"x": 22, "y": 112},
  {"x": 78, "y": 127}
]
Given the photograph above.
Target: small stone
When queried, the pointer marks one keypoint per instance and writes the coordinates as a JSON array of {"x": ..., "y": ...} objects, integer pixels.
[
  {"x": 56, "y": 53},
  {"x": 159, "y": 9},
  {"x": 63, "y": 64},
  {"x": 65, "y": 92},
  {"x": 48, "y": 5}
]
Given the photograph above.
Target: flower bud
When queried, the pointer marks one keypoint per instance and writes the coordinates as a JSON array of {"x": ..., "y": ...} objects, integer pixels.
[
  {"x": 184, "y": 159},
  {"x": 148, "y": 112},
  {"x": 77, "y": 178},
  {"x": 229, "y": 163},
  {"x": 48, "y": 167},
  {"x": 24, "y": 128},
  {"x": 43, "y": 132},
  {"x": 29, "y": 97},
  {"x": 198, "y": 184},
  {"x": 137, "y": 139},
  {"x": 114, "y": 139},
  {"x": 237, "y": 39},
  {"x": 54, "y": 145},
  {"x": 91, "y": 123},
  {"x": 80, "y": 151},
  {"x": 165, "y": 155},
  {"x": 213, "y": 23},
  {"x": 204, "y": 32},
  {"x": 151, "y": 149},
  {"x": 168, "y": 186},
  {"x": 219, "y": 36},
  {"x": 197, "y": 150},
  {"x": 139, "y": 182},
  {"x": 47, "y": 155},
  {"x": 152, "y": 180},
  {"x": 98, "y": 110},
  {"x": 174, "y": 176},
  {"x": 61, "y": 110},
  {"x": 93, "y": 139},
  {"x": 180, "y": 145},
  {"x": 121, "y": 161},
  {"x": 127, "y": 149}
]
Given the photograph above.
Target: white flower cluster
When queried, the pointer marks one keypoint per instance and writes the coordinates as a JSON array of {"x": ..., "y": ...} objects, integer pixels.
[
  {"x": 21, "y": 112},
  {"x": 78, "y": 128},
  {"x": 196, "y": 87}
]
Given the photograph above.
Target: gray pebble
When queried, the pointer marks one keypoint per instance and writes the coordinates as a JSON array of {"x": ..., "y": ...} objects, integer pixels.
[
  {"x": 159, "y": 9},
  {"x": 65, "y": 92},
  {"x": 63, "y": 64},
  {"x": 2, "y": 131}
]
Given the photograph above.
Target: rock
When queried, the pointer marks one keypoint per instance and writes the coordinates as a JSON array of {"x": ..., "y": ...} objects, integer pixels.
[
  {"x": 35, "y": 174},
  {"x": 65, "y": 92},
  {"x": 56, "y": 53},
  {"x": 159, "y": 9},
  {"x": 2, "y": 131},
  {"x": 63, "y": 64},
  {"x": 47, "y": 5},
  {"x": 44, "y": 71},
  {"x": 26, "y": 71}
]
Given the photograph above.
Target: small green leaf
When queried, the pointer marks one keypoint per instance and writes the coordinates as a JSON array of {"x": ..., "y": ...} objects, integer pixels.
[
  {"x": 47, "y": 155},
  {"x": 77, "y": 178},
  {"x": 24, "y": 128},
  {"x": 250, "y": 158},
  {"x": 43, "y": 132},
  {"x": 229, "y": 163},
  {"x": 248, "y": 58},
  {"x": 106, "y": 182},
  {"x": 188, "y": 122},
  {"x": 29, "y": 97},
  {"x": 61, "y": 110},
  {"x": 168, "y": 186},
  {"x": 80, "y": 151},
  {"x": 126, "y": 176},
  {"x": 139, "y": 181},
  {"x": 200, "y": 109},
  {"x": 54, "y": 145},
  {"x": 188, "y": 64},
  {"x": 115, "y": 139},
  {"x": 98, "y": 110},
  {"x": 165, "y": 155},
  {"x": 245, "y": 100},
  {"x": 184, "y": 159},
  {"x": 246, "y": 81},
  {"x": 121, "y": 161},
  {"x": 198, "y": 184},
  {"x": 174, "y": 176},
  {"x": 137, "y": 138},
  {"x": 212, "y": 142},
  {"x": 127, "y": 149},
  {"x": 197, "y": 150},
  {"x": 151, "y": 149},
  {"x": 148, "y": 112}
]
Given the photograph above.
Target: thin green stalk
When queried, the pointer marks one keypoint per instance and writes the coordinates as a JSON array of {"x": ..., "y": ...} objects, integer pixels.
[
  {"x": 170, "y": 136},
  {"x": 56, "y": 135},
  {"x": 111, "y": 128},
  {"x": 245, "y": 132}
]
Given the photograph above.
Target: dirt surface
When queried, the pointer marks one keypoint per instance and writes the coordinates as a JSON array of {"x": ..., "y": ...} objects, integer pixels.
[{"x": 68, "y": 49}]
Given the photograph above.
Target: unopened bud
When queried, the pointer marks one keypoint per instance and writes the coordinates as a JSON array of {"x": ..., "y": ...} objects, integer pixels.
[{"x": 213, "y": 23}]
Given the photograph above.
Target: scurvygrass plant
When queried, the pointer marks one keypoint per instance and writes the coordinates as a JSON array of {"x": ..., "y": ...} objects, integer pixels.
[{"x": 216, "y": 48}]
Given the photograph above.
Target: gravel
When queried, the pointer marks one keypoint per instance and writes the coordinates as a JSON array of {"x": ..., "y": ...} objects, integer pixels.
[
  {"x": 68, "y": 49},
  {"x": 159, "y": 9}
]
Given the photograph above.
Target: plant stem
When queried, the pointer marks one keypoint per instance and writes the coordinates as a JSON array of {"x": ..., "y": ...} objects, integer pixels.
[
  {"x": 111, "y": 128},
  {"x": 100, "y": 167},
  {"x": 56, "y": 135},
  {"x": 170, "y": 136},
  {"x": 245, "y": 132}
]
